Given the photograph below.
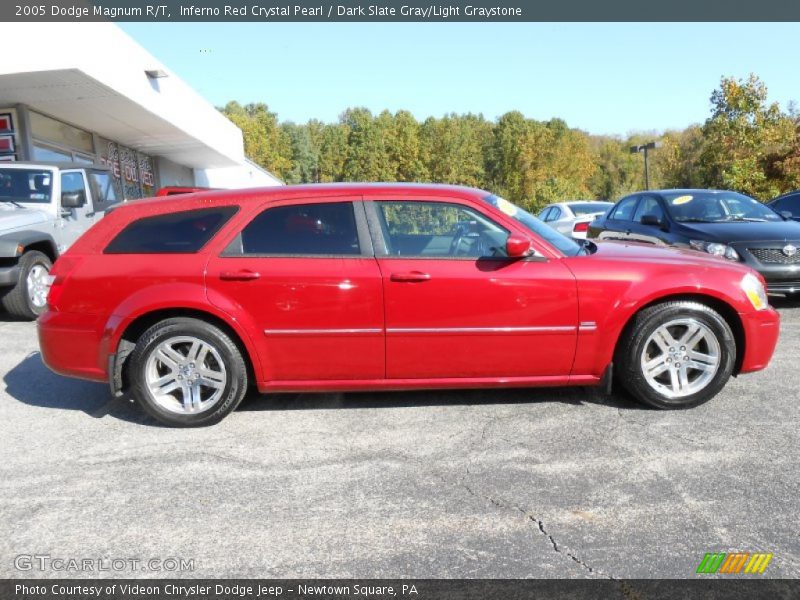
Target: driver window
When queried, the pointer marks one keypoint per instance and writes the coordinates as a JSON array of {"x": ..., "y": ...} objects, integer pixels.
[
  {"x": 72, "y": 183},
  {"x": 439, "y": 230}
]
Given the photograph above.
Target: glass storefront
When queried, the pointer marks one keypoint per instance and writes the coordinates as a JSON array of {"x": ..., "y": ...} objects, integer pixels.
[
  {"x": 133, "y": 171},
  {"x": 51, "y": 140}
]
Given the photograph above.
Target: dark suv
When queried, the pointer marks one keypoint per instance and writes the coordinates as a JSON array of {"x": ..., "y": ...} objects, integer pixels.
[{"x": 727, "y": 224}]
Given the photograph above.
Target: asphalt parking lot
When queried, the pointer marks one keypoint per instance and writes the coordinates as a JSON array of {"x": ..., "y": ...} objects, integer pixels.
[{"x": 520, "y": 483}]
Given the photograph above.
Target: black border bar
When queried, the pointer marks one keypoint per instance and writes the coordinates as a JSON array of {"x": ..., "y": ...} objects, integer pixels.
[
  {"x": 707, "y": 588},
  {"x": 266, "y": 11}
]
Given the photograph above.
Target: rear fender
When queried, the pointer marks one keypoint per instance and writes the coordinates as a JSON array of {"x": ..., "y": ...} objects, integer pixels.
[{"x": 172, "y": 297}]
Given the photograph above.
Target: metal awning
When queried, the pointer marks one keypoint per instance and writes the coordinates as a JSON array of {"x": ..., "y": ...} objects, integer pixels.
[{"x": 155, "y": 116}]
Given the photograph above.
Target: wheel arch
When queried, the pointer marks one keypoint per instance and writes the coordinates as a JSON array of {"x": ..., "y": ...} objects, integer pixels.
[
  {"x": 725, "y": 310},
  {"x": 142, "y": 322},
  {"x": 14, "y": 245}
]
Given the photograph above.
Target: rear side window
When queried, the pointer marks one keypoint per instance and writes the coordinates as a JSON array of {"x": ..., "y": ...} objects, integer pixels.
[
  {"x": 105, "y": 193},
  {"x": 324, "y": 229},
  {"x": 624, "y": 210},
  {"x": 175, "y": 233}
]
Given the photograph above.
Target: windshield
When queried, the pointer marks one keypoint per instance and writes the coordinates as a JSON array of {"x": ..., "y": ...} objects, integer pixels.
[
  {"x": 716, "y": 207},
  {"x": 563, "y": 243},
  {"x": 589, "y": 208},
  {"x": 25, "y": 185}
]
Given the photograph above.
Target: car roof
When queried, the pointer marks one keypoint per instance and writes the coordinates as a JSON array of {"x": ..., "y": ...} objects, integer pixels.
[
  {"x": 321, "y": 190},
  {"x": 684, "y": 191}
]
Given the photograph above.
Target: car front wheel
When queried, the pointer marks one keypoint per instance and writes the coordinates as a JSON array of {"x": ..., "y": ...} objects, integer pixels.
[
  {"x": 186, "y": 372},
  {"x": 676, "y": 355},
  {"x": 28, "y": 298}
]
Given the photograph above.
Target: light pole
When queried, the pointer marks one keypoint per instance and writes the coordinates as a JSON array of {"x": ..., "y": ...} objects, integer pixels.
[{"x": 644, "y": 148}]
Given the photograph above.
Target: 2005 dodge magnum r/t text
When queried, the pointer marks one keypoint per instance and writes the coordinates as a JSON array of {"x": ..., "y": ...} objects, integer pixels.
[{"x": 187, "y": 302}]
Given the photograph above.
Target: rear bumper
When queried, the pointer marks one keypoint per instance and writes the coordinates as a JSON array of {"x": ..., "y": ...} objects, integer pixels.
[
  {"x": 761, "y": 331},
  {"x": 9, "y": 275},
  {"x": 70, "y": 344}
]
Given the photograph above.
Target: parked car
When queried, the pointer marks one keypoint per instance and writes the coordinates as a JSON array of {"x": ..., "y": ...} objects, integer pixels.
[
  {"x": 573, "y": 218},
  {"x": 722, "y": 223},
  {"x": 787, "y": 205},
  {"x": 44, "y": 207},
  {"x": 386, "y": 287}
]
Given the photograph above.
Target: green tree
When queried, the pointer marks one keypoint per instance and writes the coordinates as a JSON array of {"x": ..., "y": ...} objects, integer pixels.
[
  {"x": 305, "y": 156},
  {"x": 453, "y": 149},
  {"x": 333, "y": 152},
  {"x": 367, "y": 157},
  {"x": 746, "y": 139},
  {"x": 404, "y": 148},
  {"x": 265, "y": 143}
]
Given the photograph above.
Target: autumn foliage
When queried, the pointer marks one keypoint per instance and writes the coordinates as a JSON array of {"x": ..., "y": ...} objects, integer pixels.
[{"x": 747, "y": 144}]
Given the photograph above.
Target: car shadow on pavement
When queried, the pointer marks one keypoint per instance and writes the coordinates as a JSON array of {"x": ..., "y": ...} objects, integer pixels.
[
  {"x": 32, "y": 383},
  {"x": 783, "y": 302},
  {"x": 333, "y": 401}
]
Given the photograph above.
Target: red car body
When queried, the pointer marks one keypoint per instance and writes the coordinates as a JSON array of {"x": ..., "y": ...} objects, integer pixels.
[{"x": 382, "y": 322}]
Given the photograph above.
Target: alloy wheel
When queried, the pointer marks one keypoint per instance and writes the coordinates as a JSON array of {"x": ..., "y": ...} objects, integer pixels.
[
  {"x": 37, "y": 285},
  {"x": 185, "y": 375},
  {"x": 680, "y": 358}
]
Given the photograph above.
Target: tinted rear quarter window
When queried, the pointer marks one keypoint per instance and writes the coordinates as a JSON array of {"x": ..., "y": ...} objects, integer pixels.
[{"x": 183, "y": 232}]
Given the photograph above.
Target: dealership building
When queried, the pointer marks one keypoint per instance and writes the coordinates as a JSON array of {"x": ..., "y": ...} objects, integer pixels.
[{"x": 87, "y": 92}]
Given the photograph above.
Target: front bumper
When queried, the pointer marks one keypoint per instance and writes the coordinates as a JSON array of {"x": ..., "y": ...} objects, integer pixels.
[
  {"x": 761, "y": 330},
  {"x": 9, "y": 275}
]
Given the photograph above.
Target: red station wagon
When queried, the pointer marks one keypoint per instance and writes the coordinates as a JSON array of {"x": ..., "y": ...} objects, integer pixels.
[{"x": 187, "y": 302}]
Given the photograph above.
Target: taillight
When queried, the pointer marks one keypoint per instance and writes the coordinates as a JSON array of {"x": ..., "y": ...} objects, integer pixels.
[
  {"x": 581, "y": 227},
  {"x": 58, "y": 276}
]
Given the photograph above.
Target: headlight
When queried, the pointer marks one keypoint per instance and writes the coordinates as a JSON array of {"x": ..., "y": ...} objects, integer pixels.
[
  {"x": 715, "y": 249},
  {"x": 755, "y": 292}
]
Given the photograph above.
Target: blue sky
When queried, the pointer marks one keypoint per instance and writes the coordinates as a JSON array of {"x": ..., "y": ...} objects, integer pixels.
[{"x": 604, "y": 78}]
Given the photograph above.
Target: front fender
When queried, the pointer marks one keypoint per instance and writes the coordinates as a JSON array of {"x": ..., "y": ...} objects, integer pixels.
[
  {"x": 13, "y": 244},
  {"x": 605, "y": 312}
]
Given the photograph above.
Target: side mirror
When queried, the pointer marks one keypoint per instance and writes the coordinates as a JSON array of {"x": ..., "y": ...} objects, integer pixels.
[
  {"x": 652, "y": 220},
  {"x": 73, "y": 199},
  {"x": 517, "y": 247},
  {"x": 787, "y": 214}
]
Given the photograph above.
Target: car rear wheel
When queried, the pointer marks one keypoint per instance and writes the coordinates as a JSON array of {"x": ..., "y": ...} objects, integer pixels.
[
  {"x": 676, "y": 355},
  {"x": 28, "y": 298},
  {"x": 186, "y": 372}
]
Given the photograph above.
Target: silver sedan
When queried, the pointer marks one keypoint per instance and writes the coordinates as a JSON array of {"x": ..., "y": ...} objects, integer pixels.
[{"x": 572, "y": 218}]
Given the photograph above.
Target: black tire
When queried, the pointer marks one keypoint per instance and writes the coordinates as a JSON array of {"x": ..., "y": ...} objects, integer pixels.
[
  {"x": 635, "y": 340},
  {"x": 229, "y": 358},
  {"x": 17, "y": 301}
]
